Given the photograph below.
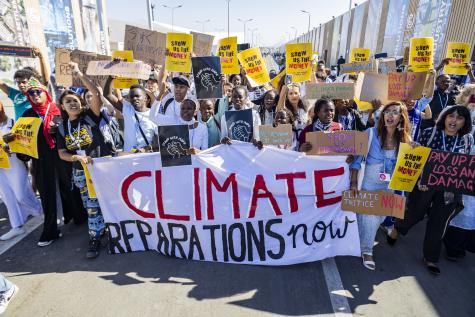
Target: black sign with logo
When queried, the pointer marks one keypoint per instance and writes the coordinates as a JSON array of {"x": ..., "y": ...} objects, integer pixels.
[
  {"x": 239, "y": 125},
  {"x": 207, "y": 77},
  {"x": 174, "y": 141}
]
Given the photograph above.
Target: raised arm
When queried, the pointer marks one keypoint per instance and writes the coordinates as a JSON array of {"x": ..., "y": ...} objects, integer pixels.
[
  {"x": 4, "y": 87},
  {"x": 96, "y": 94},
  {"x": 110, "y": 95},
  {"x": 43, "y": 67},
  {"x": 282, "y": 96}
]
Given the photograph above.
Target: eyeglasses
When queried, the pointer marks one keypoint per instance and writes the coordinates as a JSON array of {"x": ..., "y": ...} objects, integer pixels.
[
  {"x": 33, "y": 92},
  {"x": 393, "y": 112}
]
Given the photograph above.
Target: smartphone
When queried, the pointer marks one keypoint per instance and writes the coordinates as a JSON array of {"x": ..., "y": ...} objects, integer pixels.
[{"x": 288, "y": 79}]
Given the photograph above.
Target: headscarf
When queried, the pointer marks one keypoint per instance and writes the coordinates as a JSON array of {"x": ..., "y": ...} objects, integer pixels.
[{"x": 47, "y": 111}]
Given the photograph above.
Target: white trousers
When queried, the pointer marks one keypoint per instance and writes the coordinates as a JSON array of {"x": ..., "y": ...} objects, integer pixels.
[{"x": 17, "y": 194}]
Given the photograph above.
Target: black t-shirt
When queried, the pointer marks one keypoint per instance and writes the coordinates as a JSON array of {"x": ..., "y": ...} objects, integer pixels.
[
  {"x": 453, "y": 143},
  {"x": 91, "y": 135},
  {"x": 439, "y": 102}
]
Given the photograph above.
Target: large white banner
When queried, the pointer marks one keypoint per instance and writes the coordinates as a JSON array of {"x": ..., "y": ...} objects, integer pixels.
[{"x": 234, "y": 204}]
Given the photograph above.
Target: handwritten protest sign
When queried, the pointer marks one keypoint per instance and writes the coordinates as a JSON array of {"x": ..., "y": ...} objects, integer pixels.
[
  {"x": 386, "y": 65},
  {"x": 447, "y": 171},
  {"x": 370, "y": 86},
  {"x": 4, "y": 159},
  {"x": 227, "y": 51},
  {"x": 421, "y": 54},
  {"x": 90, "y": 186},
  {"x": 298, "y": 58},
  {"x": 459, "y": 54},
  {"x": 179, "y": 47},
  {"x": 374, "y": 203},
  {"x": 275, "y": 81},
  {"x": 63, "y": 73},
  {"x": 15, "y": 51},
  {"x": 329, "y": 90},
  {"x": 254, "y": 65},
  {"x": 26, "y": 136},
  {"x": 122, "y": 69},
  {"x": 123, "y": 82},
  {"x": 174, "y": 141},
  {"x": 359, "y": 54},
  {"x": 408, "y": 167},
  {"x": 148, "y": 46},
  {"x": 207, "y": 77},
  {"x": 403, "y": 86},
  {"x": 338, "y": 143},
  {"x": 202, "y": 43},
  {"x": 281, "y": 135},
  {"x": 83, "y": 58},
  {"x": 368, "y": 66}
]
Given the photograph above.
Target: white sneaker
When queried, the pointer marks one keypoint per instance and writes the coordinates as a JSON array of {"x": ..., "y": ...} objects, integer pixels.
[
  {"x": 6, "y": 297},
  {"x": 12, "y": 233}
]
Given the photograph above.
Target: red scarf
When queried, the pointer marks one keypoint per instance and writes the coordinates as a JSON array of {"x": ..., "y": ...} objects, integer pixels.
[{"x": 47, "y": 115}]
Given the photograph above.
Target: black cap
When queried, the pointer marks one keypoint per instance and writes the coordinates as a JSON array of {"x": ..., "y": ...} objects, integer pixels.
[{"x": 181, "y": 80}]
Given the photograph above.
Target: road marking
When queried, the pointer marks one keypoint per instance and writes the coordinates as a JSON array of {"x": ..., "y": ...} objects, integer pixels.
[
  {"x": 30, "y": 226},
  {"x": 335, "y": 288}
]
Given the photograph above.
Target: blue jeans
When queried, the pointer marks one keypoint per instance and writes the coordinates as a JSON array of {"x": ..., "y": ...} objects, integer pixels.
[
  {"x": 5, "y": 284},
  {"x": 94, "y": 213}
]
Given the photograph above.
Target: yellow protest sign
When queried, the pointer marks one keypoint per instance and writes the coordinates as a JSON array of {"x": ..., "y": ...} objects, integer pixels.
[
  {"x": 362, "y": 105},
  {"x": 409, "y": 166},
  {"x": 275, "y": 81},
  {"x": 227, "y": 51},
  {"x": 26, "y": 136},
  {"x": 298, "y": 61},
  {"x": 459, "y": 54},
  {"x": 254, "y": 65},
  {"x": 90, "y": 186},
  {"x": 4, "y": 159},
  {"x": 359, "y": 54},
  {"x": 421, "y": 54},
  {"x": 121, "y": 82},
  {"x": 179, "y": 52}
]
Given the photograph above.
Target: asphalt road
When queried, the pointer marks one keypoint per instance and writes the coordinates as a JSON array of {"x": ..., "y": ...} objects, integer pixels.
[{"x": 59, "y": 281}]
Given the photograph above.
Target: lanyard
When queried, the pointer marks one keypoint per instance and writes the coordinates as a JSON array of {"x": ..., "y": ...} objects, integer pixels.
[
  {"x": 446, "y": 100},
  {"x": 443, "y": 141},
  {"x": 71, "y": 135},
  {"x": 46, "y": 113}
]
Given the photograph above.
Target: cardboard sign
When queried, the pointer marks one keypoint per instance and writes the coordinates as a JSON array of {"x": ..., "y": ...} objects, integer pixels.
[
  {"x": 174, "y": 141},
  {"x": 90, "y": 186},
  {"x": 123, "y": 82},
  {"x": 330, "y": 90},
  {"x": 63, "y": 72},
  {"x": 16, "y": 51},
  {"x": 148, "y": 46},
  {"x": 240, "y": 125},
  {"x": 408, "y": 167},
  {"x": 374, "y": 203},
  {"x": 227, "y": 51},
  {"x": 254, "y": 65},
  {"x": 122, "y": 69},
  {"x": 338, "y": 143},
  {"x": 421, "y": 54},
  {"x": 207, "y": 77},
  {"x": 368, "y": 66},
  {"x": 359, "y": 54},
  {"x": 281, "y": 135},
  {"x": 459, "y": 54},
  {"x": 386, "y": 65},
  {"x": 370, "y": 86},
  {"x": 403, "y": 86},
  {"x": 275, "y": 81},
  {"x": 26, "y": 136},
  {"x": 83, "y": 58},
  {"x": 4, "y": 158},
  {"x": 452, "y": 172},
  {"x": 179, "y": 47},
  {"x": 298, "y": 58},
  {"x": 202, "y": 43}
]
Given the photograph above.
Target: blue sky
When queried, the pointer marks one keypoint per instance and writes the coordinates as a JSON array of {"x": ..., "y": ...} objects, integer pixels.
[{"x": 272, "y": 18}]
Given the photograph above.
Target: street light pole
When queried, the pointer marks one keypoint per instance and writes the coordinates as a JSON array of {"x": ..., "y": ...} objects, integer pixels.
[
  {"x": 308, "y": 19},
  {"x": 244, "y": 22},
  {"x": 293, "y": 27},
  {"x": 150, "y": 7},
  {"x": 228, "y": 1},
  {"x": 203, "y": 24},
  {"x": 173, "y": 10},
  {"x": 252, "y": 36}
]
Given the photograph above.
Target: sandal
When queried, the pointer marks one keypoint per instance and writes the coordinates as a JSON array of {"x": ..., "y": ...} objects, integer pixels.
[{"x": 369, "y": 264}]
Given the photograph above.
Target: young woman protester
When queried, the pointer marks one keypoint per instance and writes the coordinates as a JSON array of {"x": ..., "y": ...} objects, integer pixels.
[
  {"x": 15, "y": 188},
  {"x": 393, "y": 128},
  {"x": 284, "y": 116},
  {"x": 324, "y": 112},
  {"x": 83, "y": 135},
  {"x": 290, "y": 98},
  {"x": 211, "y": 117},
  {"x": 46, "y": 167},
  {"x": 268, "y": 108},
  {"x": 452, "y": 134}
]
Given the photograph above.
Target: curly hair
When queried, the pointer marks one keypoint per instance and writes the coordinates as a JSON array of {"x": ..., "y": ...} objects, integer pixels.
[{"x": 467, "y": 91}]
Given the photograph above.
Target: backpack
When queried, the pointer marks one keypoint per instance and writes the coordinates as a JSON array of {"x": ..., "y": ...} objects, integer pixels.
[{"x": 167, "y": 103}]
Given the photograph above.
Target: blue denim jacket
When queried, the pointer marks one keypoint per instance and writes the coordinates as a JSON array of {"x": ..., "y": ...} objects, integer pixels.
[{"x": 375, "y": 152}]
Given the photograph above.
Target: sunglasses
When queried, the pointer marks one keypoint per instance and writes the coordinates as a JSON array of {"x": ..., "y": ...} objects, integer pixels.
[{"x": 33, "y": 92}]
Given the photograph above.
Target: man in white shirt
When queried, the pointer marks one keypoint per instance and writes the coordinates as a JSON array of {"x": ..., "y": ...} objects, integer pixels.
[{"x": 171, "y": 104}]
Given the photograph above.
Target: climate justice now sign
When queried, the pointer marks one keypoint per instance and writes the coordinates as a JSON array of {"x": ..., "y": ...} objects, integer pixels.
[{"x": 234, "y": 204}]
